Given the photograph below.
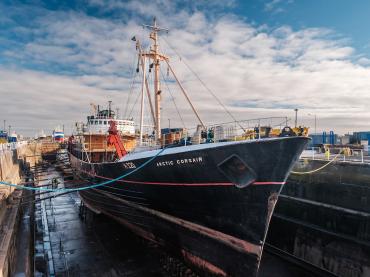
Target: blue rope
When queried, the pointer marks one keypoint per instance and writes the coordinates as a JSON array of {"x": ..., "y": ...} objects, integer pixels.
[{"x": 86, "y": 186}]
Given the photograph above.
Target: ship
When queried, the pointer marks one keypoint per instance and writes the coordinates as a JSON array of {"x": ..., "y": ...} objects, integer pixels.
[
  {"x": 13, "y": 137},
  {"x": 205, "y": 195},
  {"x": 58, "y": 134},
  {"x": 3, "y": 136}
]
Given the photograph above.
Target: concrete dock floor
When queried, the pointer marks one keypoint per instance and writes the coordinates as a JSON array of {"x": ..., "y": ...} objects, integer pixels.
[{"x": 85, "y": 244}]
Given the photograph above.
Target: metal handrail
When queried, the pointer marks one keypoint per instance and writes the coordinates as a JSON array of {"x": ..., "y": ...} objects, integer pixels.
[
  {"x": 228, "y": 131},
  {"x": 355, "y": 155}
]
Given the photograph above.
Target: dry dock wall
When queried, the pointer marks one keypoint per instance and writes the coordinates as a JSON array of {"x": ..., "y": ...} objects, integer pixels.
[
  {"x": 13, "y": 158},
  {"x": 324, "y": 218},
  {"x": 9, "y": 226},
  {"x": 9, "y": 171}
]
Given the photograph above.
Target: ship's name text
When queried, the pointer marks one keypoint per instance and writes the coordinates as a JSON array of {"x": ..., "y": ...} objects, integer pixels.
[
  {"x": 129, "y": 165},
  {"x": 180, "y": 161}
]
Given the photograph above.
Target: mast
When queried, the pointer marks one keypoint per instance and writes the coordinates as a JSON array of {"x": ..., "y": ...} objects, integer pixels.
[
  {"x": 142, "y": 103},
  {"x": 156, "y": 57},
  {"x": 157, "y": 88},
  {"x": 145, "y": 79}
]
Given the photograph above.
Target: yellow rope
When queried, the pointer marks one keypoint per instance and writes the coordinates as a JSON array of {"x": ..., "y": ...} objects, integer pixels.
[{"x": 317, "y": 169}]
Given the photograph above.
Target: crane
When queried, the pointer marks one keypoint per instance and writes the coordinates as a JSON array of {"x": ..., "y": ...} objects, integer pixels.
[{"x": 115, "y": 139}]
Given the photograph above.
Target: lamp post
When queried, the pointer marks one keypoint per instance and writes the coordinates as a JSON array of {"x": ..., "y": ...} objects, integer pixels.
[
  {"x": 315, "y": 121},
  {"x": 296, "y": 117}
]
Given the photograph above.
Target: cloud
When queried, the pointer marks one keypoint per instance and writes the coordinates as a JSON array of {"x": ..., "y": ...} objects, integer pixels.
[
  {"x": 37, "y": 100},
  {"x": 364, "y": 61},
  {"x": 271, "y": 5},
  {"x": 276, "y": 6},
  {"x": 67, "y": 59}
]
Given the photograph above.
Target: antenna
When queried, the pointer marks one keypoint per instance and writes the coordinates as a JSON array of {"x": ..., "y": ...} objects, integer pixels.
[
  {"x": 109, "y": 108},
  {"x": 154, "y": 27}
]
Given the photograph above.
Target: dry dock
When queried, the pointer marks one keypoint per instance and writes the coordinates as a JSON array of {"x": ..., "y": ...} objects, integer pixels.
[
  {"x": 53, "y": 234},
  {"x": 324, "y": 218},
  {"x": 71, "y": 240}
]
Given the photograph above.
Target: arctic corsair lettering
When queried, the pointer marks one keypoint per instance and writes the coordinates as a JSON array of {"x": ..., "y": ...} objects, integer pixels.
[{"x": 194, "y": 160}]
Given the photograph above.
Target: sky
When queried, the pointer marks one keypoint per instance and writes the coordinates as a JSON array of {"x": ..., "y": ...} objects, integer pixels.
[{"x": 259, "y": 57}]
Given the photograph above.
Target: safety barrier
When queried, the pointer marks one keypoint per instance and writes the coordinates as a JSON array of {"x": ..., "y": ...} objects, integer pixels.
[
  {"x": 255, "y": 129},
  {"x": 345, "y": 154}
]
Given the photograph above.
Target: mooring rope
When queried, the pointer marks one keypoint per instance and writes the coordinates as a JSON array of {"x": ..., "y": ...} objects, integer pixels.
[
  {"x": 88, "y": 186},
  {"x": 317, "y": 169}
]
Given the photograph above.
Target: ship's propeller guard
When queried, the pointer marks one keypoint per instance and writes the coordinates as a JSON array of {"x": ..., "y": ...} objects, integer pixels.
[{"x": 237, "y": 171}]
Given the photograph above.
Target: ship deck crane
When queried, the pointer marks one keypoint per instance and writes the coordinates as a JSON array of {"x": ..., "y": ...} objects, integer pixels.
[{"x": 115, "y": 139}]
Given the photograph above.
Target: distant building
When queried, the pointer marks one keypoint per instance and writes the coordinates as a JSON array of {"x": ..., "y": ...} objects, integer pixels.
[
  {"x": 357, "y": 137},
  {"x": 360, "y": 138},
  {"x": 316, "y": 139},
  {"x": 324, "y": 138},
  {"x": 346, "y": 139}
]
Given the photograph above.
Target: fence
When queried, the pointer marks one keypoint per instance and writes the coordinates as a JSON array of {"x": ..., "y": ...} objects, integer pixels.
[
  {"x": 343, "y": 154},
  {"x": 230, "y": 131}
]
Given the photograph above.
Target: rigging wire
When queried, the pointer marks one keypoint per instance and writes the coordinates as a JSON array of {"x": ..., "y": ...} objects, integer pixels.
[
  {"x": 133, "y": 78},
  {"x": 134, "y": 104},
  {"x": 173, "y": 100},
  {"x": 149, "y": 77},
  {"x": 204, "y": 85}
]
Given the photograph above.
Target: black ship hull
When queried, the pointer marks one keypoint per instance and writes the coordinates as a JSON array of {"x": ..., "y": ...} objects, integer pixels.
[{"x": 209, "y": 203}]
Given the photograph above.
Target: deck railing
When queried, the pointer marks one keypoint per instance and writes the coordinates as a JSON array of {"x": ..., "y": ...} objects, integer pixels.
[{"x": 256, "y": 129}]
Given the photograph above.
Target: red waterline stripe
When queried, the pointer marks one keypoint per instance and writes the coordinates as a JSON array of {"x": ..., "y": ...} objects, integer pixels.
[
  {"x": 181, "y": 184},
  {"x": 268, "y": 183}
]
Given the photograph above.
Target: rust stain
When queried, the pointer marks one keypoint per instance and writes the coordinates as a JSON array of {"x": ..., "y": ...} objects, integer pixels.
[
  {"x": 271, "y": 206},
  {"x": 202, "y": 263},
  {"x": 233, "y": 242}
]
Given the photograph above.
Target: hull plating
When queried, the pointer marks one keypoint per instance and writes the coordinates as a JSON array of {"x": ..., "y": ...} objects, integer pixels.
[{"x": 190, "y": 202}]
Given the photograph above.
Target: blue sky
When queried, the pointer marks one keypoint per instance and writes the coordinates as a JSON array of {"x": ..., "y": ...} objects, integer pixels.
[
  {"x": 56, "y": 57},
  {"x": 349, "y": 19}
]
